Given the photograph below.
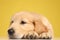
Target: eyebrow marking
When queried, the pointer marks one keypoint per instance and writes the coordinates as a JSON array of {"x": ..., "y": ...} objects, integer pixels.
[{"x": 11, "y": 22}]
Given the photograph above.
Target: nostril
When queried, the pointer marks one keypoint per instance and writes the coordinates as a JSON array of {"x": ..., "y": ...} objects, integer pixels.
[{"x": 10, "y": 31}]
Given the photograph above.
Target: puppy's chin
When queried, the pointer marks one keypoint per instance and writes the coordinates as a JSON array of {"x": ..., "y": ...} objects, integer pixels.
[
  {"x": 12, "y": 37},
  {"x": 15, "y": 36}
]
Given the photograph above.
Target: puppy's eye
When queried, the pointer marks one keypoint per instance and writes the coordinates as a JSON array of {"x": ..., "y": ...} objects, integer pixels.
[{"x": 23, "y": 22}]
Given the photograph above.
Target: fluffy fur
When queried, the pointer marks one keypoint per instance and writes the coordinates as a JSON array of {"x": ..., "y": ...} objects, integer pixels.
[{"x": 35, "y": 26}]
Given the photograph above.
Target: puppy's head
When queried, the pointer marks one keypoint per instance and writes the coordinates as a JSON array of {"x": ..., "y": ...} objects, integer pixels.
[
  {"x": 21, "y": 23},
  {"x": 24, "y": 22}
]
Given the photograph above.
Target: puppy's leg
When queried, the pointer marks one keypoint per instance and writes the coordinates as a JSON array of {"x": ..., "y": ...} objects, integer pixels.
[
  {"x": 30, "y": 35},
  {"x": 45, "y": 35}
]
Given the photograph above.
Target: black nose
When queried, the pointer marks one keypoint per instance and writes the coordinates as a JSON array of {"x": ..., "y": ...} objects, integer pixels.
[{"x": 10, "y": 31}]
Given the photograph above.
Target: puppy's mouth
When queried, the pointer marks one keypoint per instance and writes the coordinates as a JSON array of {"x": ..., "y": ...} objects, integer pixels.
[{"x": 12, "y": 37}]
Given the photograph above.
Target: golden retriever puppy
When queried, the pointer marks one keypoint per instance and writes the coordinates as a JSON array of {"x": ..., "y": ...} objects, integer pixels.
[{"x": 28, "y": 25}]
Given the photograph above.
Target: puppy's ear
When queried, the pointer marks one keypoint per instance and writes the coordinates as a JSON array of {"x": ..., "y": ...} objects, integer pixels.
[{"x": 41, "y": 25}]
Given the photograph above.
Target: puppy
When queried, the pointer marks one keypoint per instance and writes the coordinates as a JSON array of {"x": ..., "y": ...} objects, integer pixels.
[{"x": 28, "y": 25}]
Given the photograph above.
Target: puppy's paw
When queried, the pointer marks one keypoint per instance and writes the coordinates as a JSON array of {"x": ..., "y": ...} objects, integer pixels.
[
  {"x": 31, "y": 35},
  {"x": 45, "y": 36}
]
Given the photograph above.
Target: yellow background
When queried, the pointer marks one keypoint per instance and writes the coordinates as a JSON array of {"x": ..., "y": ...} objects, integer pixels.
[{"x": 49, "y": 8}]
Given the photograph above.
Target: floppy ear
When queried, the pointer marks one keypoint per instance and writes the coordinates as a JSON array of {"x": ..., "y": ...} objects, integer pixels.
[{"x": 41, "y": 25}]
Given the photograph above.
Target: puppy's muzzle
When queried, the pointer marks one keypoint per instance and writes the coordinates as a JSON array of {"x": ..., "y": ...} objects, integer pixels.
[{"x": 11, "y": 31}]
